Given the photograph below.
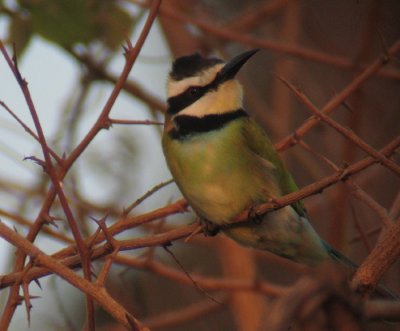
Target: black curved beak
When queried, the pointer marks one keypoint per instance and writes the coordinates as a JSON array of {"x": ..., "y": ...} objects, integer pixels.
[{"x": 230, "y": 69}]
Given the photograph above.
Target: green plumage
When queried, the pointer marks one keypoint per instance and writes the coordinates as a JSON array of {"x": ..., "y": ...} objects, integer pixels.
[
  {"x": 224, "y": 163},
  {"x": 225, "y": 171}
]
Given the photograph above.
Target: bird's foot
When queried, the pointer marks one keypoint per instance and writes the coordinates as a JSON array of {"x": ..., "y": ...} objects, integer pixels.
[
  {"x": 254, "y": 216},
  {"x": 209, "y": 229}
]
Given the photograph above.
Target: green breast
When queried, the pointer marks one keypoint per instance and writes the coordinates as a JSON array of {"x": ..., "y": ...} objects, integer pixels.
[{"x": 218, "y": 173}]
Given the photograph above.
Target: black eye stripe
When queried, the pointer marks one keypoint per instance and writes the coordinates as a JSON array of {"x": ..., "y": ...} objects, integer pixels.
[
  {"x": 187, "y": 97},
  {"x": 193, "y": 90}
]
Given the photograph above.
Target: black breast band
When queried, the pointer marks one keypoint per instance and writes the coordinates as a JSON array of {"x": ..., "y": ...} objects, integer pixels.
[{"x": 186, "y": 125}]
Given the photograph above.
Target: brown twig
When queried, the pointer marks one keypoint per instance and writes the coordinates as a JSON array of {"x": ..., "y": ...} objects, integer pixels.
[
  {"x": 95, "y": 292},
  {"x": 186, "y": 314},
  {"x": 188, "y": 275},
  {"x": 30, "y": 132},
  {"x": 134, "y": 122},
  {"x": 55, "y": 179},
  {"x": 395, "y": 208},
  {"x": 207, "y": 283},
  {"x": 321, "y": 184},
  {"x": 379, "y": 260},
  {"x": 378, "y": 310},
  {"x": 102, "y": 122},
  {"x": 369, "y": 201},
  {"x": 337, "y": 100},
  {"x": 278, "y": 203},
  {"x": 255, "y": 15},
  {"x": 49, "y": 168},
  {"x": 149, "y": 193},
  {"x": 129, "y": 86},
  {"x": 246, "y": 39},
  {"x": 357, "y": 192},
  {"x": 68, "y": 254},
  {"x": 104, "y": 244},
  {"x": 48, "y": 231},
  {"x": 342, "y": 130}
]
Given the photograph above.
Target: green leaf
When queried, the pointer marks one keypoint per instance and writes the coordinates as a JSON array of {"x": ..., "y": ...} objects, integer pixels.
[
  {"x": 63, "y": 22},
  {"x": 69, "y": 22},
  {"x": 113, "y": 25},
  {"x": 20, "y": 32}
]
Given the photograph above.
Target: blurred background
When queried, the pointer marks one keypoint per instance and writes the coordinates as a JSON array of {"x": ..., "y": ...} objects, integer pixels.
[{"x": 71, "y": 56}]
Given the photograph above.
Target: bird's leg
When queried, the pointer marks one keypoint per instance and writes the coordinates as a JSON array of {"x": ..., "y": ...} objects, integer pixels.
[
  {"x": 209, "y": 229},
  {"x": 257, "y": 217},
  {"x": 253, "y": 216}
]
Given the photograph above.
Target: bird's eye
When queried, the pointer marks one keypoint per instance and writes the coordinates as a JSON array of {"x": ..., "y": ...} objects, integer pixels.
[{"x": 193, "y": 90}]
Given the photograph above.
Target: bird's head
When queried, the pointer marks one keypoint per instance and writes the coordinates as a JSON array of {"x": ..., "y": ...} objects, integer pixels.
[{"x": 199, "y": 86}]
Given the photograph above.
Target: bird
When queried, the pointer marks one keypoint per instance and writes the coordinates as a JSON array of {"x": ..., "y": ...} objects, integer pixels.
[{"x": 223, "y": 162}]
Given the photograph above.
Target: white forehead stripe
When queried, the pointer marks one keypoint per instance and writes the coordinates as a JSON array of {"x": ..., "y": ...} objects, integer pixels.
[
  {"x": 175, "y": 87},
  {"x": 228, "y": 98}
]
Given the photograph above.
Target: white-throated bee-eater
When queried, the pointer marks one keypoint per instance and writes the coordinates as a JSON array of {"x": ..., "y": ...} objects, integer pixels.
[{"x": 224, "y": 163}]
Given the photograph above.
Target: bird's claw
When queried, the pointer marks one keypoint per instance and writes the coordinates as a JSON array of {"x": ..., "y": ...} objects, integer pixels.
[
  {"x": 254, "y": 216},
  {"x": 209, "y": 229}
]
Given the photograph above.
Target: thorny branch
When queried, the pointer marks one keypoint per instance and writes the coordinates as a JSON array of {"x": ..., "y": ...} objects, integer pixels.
[
  {"x": 300, "y": 302},
  {"x": 57, "y": 176},
  {"x": 98, "y": 293},
  {"x": 246, "y": 39},
  {"x": 306, "y": 191},
  {"x": 56, "y": 181}
]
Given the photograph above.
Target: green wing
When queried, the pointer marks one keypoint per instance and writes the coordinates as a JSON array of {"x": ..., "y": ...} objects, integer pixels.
[{"x": 257, "y": 140}]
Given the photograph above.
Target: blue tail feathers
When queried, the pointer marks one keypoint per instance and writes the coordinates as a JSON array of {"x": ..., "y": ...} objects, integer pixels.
[
  {"x": 339, "y": 257},
  {"x": 381, "y": 289}
]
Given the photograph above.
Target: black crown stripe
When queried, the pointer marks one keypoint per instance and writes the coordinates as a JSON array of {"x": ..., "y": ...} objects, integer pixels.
[{"x": 190, "y": 65}]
